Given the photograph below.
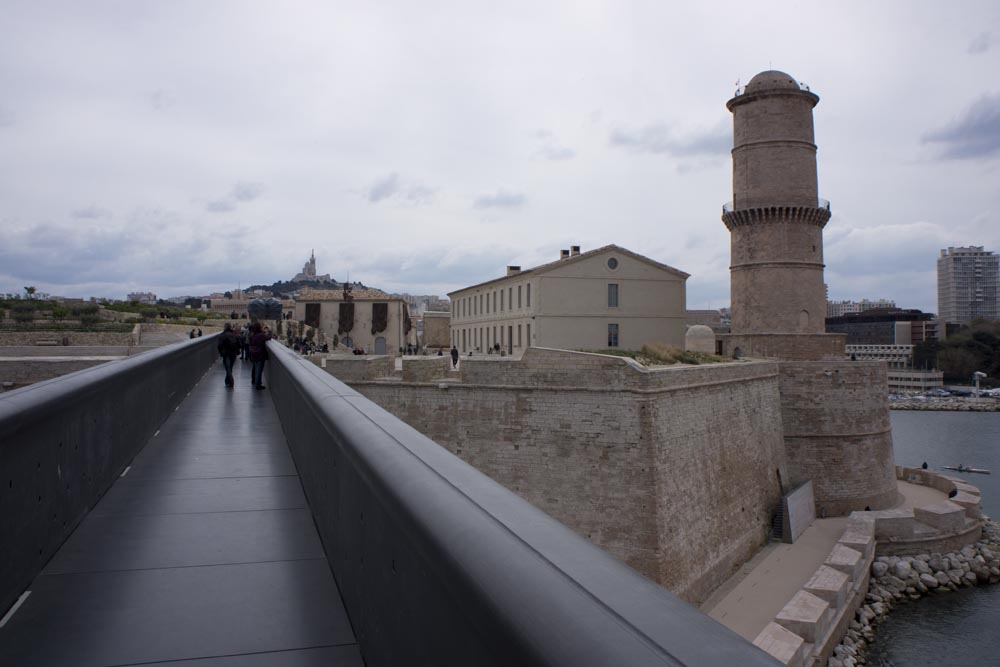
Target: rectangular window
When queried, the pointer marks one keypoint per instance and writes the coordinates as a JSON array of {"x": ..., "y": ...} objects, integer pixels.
[
  {"x": 518, "y": 296},
  {"x": 612, "y": 295},
  {"x": 612, "y": 335},
  {"x": 494, "y": 301},
  {"x": 528, "y": 333},
  {"x": 519, "y": 335},
  {"x": 510, "y": 298},
  {"x": 480, "y": 303},
  {"x": 494, "y": 332},
  {"x": 501, "y": 300},
  {"x": 529, "y": 297}
]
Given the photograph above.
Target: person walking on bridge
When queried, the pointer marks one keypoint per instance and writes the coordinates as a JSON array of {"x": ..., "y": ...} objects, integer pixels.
[
  {"x": 229, "y": 347},
  {"x": 258, "y": 354}
]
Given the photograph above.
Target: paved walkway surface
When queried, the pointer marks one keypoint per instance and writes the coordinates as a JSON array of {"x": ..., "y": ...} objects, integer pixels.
[
  {"x": 752, "y": 597},
  {"x": 203, "y": 553}
]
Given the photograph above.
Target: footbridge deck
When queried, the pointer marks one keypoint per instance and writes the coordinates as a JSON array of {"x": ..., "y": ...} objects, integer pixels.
[
  {"x": 204, "y": 547},
  {"x": 150, "y": 515}
]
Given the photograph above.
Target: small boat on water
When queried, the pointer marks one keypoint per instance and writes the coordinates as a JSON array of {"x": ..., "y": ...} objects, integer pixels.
[{"x": 962, "y": 468}]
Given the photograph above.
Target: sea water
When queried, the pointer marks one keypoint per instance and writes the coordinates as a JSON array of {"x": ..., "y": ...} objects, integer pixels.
[{"x": 960, "y": 628}]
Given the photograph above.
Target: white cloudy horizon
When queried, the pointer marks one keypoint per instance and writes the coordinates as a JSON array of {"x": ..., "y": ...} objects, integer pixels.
[{"x": 187, "y": 147}]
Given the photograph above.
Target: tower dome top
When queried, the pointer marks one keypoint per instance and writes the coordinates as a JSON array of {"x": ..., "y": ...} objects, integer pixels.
[{"x": 771, "y": 80}]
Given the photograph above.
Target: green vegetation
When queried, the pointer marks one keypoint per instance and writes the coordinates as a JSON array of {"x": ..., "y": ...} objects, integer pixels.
[
  {"x": 975, "y": 348},
  {"x": 659, "y": 354}
]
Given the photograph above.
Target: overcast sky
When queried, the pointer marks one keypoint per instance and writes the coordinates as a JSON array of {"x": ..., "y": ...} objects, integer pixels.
[{"x": 186, "y": 147}]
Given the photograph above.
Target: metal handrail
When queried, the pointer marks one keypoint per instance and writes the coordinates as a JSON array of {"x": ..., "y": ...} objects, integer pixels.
[{"x": 729, "y": 206}]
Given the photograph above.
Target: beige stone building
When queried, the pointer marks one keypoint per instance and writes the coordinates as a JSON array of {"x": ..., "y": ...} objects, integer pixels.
[
  {"x": 373, "y": 320},
  {"x": 608, "y": 297}
]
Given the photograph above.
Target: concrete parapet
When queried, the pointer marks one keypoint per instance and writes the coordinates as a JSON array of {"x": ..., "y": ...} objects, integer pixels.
[
  {"x": 830, "y": 585},
  {"x": 945, "y": 516},
  {"x": 806, "y": 615},
  {"x": 846, "y": 559},
  {"x": 893, "y": 524},
  {"x": 969, "y": 502},
  {"x": 941, "y": 527},
  {"x": 783, "y": 644}
]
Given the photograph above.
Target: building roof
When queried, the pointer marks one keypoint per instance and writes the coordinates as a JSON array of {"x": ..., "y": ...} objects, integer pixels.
[
  {"x": 366, "y": 294},
  {"x": 576, "y": 258}
]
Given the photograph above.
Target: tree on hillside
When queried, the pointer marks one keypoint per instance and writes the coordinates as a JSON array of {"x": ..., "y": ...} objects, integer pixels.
[
  {"x": 30, "y": 291},
  {"x": 975, "y": 348}
]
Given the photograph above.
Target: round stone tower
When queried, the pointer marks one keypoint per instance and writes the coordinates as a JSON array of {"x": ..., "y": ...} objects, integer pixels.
[
  {"x": 835, "y": 413},
  {"x": 776, "y": 218}
]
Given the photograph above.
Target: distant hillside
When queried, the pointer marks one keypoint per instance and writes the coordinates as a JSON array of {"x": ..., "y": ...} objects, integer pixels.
[{"x": 288, "y": 287}]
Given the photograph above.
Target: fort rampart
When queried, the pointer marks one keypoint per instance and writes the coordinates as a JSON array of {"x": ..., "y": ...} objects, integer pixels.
[{"x": 673, "y": 470}]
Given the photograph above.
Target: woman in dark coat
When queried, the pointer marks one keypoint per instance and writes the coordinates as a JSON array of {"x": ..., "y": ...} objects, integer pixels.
[{"x": 258, "y": 354}]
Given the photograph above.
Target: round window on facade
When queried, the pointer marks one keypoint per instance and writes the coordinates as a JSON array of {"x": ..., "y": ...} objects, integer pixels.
[{"x": 612, "y": 263}]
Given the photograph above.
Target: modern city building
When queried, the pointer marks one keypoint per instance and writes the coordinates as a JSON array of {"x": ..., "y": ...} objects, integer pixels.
[
  {"x": 886, "y": 326},
  {"x": 838, "y": 308},
  {"x": 967, "y": 285},
  {"x": 605, "y": 298}
]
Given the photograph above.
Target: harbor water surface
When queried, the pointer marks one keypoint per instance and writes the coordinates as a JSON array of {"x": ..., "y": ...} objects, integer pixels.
[{"x": 960, "y": 628}]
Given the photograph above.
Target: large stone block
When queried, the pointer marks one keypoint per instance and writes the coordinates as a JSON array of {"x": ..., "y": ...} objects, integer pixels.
[{"x": 806, "y": 615}]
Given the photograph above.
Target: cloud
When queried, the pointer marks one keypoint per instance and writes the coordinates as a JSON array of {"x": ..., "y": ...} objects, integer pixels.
[
  {"x": 501, "y": 199},
  {"x": 220, "y": 206},
  {"x": 244, "y": 191},
  {"x": 551, "y": 149},
  {"x": 160, "y": 100},
  {"x": 659, "y": 139},
  {"x": 392, "y": 187},
  {"x": 975, "y": 135},
  {"x": 90, "y": 213},
  {"x": 384, "y": 188},
  {"x": 150, "y": 247},
  {"x": 6, "y": 119},
  {"x": 980, "y": 43}
]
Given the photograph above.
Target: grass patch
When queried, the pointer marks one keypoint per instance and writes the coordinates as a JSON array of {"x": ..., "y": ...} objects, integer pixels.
[{"x": 659, "y": 354}]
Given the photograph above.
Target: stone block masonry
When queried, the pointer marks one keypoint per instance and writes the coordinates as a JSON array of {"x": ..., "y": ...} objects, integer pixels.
[
  {"x": 837, "y": 433},
  {"x": 673, "y": 470}
]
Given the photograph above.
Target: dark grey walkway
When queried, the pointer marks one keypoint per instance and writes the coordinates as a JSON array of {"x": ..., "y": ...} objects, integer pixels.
[{"x": 204, "y": 552}]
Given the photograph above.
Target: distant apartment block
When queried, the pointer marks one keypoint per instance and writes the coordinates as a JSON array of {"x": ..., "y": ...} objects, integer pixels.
[
  {"x": 840, "y": 308},
  {"x": 967, "y": 285},
  {"x": 142, "y": 297}
]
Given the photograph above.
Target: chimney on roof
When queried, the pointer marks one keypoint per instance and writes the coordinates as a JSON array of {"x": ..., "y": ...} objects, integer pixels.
[
  {"x": 574, "y": 250},
  {"x": 563, "y": 254},
  {"x": 513, "y": 270}
]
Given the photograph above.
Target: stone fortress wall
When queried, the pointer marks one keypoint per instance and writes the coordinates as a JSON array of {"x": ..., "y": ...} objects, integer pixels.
[{"x": 673, "y": 470}]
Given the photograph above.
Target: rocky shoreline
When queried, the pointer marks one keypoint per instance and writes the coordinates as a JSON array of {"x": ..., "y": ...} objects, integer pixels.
[
  {"x": 896, "y": 579},
  {"x": 954, "y": 404}
]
